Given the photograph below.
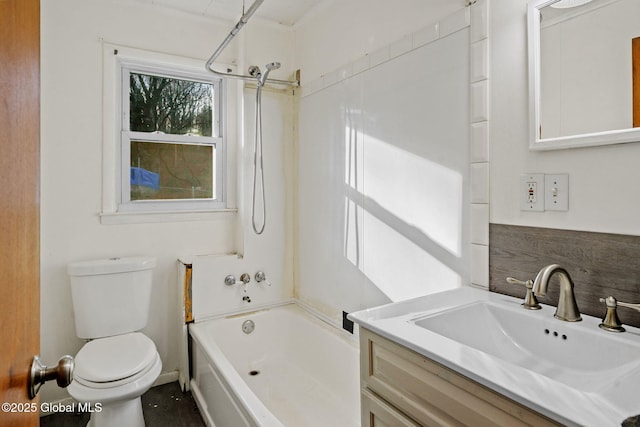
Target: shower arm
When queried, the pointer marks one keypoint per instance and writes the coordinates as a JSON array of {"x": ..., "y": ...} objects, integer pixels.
[{"x": 243, "y": 20}]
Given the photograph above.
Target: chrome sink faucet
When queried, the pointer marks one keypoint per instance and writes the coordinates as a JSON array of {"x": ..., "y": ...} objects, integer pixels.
[{"x": 567, "y": 307}]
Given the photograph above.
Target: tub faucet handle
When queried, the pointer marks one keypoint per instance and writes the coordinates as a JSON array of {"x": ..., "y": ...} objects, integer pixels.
[
  {"x": 530, "y": 301},
  {"x": 261, "y": 277}
]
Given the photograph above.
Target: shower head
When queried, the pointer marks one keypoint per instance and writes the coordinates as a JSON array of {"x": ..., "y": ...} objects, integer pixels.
[
  {"x": 262, "y": 78},
  {"x": 272, "y": 66}
]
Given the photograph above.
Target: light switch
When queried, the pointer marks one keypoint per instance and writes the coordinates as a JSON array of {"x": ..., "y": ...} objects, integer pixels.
[{"x": 556, "y": 196}]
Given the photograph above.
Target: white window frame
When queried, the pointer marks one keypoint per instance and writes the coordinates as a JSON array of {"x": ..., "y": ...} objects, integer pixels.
[
  {"x": 110, "y": 211},
  {"x": 217, "y": 140}
]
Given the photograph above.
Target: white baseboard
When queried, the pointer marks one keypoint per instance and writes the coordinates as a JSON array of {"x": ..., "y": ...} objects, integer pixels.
[{"x": 166, "y": 378}]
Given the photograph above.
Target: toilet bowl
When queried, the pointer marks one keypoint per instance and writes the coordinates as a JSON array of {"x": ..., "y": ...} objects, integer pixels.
[
  {"x": 118, "y": 364},
  {"x": 111, "y": 374}
]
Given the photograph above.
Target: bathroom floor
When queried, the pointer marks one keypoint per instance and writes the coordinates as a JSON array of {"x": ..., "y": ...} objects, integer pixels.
[{"x": 165, "y": 405}]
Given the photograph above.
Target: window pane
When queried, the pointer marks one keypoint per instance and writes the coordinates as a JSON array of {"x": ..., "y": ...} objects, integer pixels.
[
  {"x": 172, "y": 106},
  {"x": 161, "y": 171}
]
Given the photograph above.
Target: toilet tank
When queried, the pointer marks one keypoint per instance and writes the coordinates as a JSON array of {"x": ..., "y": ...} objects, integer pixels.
[{"x": 111, "y": 296}]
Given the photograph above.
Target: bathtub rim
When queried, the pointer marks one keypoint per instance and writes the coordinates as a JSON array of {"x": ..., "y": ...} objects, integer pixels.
[{"x": 306, "y": 307}]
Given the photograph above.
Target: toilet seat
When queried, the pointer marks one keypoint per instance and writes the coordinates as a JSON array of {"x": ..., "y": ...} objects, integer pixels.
[{"x": 114, "y": 361}]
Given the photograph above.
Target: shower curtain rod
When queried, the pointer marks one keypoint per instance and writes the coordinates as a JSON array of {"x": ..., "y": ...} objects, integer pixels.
[{"x": 243, "y": 20}]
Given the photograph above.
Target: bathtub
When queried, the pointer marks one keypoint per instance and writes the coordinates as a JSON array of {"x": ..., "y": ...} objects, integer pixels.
[{"x": 292, "y": 370}]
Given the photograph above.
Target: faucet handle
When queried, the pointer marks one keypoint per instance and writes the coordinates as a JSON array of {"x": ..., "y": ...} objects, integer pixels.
[
  {"x": 611, "y": 322},
  {"x": 261, "y": 277},
  {"x": 530, "y": 300},
  {"x": 627, "y": 305},
  {"x": 515, "y": 281}
]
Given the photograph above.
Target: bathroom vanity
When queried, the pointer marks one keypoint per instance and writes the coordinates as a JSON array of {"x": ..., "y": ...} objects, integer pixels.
[
  {"x": 400, "y": 386},
  {"x": 473, "y": 357}
]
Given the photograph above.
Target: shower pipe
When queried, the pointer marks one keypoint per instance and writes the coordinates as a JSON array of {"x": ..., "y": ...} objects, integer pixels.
[
  {"x": 243, "y": 20},
  {"x": 258, "y": 163},
  {"x": 261, "y": 78}
]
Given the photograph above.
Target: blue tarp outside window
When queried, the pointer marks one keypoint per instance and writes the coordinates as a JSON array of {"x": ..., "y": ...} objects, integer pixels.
[{"x": 140, "y": 176}]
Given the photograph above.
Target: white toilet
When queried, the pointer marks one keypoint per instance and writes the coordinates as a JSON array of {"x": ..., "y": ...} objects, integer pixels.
[{"x": 111, "y": 299}]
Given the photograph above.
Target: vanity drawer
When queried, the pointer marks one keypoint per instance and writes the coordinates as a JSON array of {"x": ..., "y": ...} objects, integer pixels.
[
  {"x": 378, "y": 413},
  {"x": 432, "y": 394}
]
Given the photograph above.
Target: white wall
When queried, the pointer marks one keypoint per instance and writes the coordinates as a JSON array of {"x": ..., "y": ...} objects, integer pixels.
[
  {"x": 72, "y": 122},
  {"x": 343, "y": 31},
  {"x": 602, "y": 180},
  {"x": 383, "y": 190}
]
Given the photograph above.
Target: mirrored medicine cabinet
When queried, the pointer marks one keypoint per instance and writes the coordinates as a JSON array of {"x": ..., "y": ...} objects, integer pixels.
[{"x": 584, "y": 73}]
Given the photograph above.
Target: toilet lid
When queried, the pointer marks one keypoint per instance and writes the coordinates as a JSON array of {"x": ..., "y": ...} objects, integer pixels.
[{"x": 114, "y": 358}]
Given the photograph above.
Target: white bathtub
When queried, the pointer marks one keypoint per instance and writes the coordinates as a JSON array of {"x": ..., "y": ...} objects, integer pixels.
[{"x": 293, "y": 370}]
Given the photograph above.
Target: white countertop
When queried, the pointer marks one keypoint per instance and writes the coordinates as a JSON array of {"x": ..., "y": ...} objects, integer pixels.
[{"x": 608, "y": 405}]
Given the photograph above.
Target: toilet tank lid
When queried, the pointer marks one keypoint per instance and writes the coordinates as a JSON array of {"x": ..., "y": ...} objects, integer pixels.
[{"x": 110, "y": 266}]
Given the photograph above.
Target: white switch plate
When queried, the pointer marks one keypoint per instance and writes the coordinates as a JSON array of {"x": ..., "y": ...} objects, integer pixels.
[
  {"x": 532, "y": 192},
  {"x": 556, "y": 196}
]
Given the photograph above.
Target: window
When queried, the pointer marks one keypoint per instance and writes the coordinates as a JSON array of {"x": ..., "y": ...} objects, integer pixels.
[{"x": 172, "y": 144}]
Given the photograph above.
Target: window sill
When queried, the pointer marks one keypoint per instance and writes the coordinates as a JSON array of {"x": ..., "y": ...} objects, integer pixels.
[{"x": 110, "y": 218}]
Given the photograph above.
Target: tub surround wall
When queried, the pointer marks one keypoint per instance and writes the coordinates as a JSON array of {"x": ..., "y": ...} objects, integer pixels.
[
  {"x": 479, "y": 142},
  {"x": 375, "y": 137},
  {"x": 600, "y": 264},
  {"x": 346, "y": 89},
  {"x": 212, "y": 298}
]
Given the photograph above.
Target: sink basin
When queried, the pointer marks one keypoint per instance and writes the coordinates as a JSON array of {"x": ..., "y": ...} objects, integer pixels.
[{"x": 563, "y": 351}]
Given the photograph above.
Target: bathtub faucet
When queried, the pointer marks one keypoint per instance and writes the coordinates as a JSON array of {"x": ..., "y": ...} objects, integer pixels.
[
  {"x": 246, "y": 298},
  {"x": 245, "y": 279}
]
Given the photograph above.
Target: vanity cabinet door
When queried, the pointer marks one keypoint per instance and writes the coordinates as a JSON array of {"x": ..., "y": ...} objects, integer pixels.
[
  {"x": 432, "y": 394},
  {"x": 378, "y": 413}
]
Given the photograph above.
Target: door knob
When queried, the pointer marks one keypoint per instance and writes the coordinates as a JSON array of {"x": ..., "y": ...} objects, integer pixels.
[{"x": 40, "y": 373}]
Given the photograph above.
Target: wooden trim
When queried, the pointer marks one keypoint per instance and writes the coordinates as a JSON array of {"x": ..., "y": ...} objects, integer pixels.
[
  {"x": 188, "y": 303},
  {"x": 635, "y": 55}
]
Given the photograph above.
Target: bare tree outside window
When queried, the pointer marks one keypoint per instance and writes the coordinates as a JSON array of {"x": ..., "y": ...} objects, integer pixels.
[
  {"x": 178, "y": 107},
  {"x": 171, "y": 169}
]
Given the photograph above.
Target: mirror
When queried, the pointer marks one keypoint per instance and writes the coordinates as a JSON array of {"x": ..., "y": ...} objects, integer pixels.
[{"x": 584, "y": 73}]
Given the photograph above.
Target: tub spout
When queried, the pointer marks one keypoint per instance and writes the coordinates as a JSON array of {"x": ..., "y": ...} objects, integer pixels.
[{"x": 567, "y": 307}]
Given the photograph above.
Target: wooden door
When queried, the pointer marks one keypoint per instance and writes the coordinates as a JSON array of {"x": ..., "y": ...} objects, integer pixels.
[{"x": 19, "y": 206}]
